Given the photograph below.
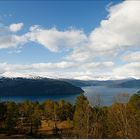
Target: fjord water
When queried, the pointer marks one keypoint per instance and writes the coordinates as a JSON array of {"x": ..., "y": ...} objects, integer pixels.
[
  {"x": 69, "y": 98},
  {"x": 106, "y": 93}
]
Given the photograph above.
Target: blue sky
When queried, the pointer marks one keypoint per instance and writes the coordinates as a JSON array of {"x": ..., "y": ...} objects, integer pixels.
[
  {"x": 62, "y": 14},
  {"x": 65, "y": 35}
]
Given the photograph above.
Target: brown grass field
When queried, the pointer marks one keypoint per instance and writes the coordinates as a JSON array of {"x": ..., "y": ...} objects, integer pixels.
[{"x": 46, "y": 130}]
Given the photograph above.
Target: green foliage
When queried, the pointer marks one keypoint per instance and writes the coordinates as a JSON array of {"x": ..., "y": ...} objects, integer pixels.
[
  {"x": 65, "y": 110},
  {"x": 134, "y": 115},
  {"x": 135, "y": 100},
  {"x": 31, "y": 114},
  {"x": 3, "y": 110},
  {"x": 11, "y": 116},
  {"x": 49, "y": 107},
  {"x": 81, "y": 117},
  {"x": 98, "y": 125},
  {"x": 36, "y": 118}
]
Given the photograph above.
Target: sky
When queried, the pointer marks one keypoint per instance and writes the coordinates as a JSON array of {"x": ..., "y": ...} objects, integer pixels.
[{"x": 81, "y": 39}]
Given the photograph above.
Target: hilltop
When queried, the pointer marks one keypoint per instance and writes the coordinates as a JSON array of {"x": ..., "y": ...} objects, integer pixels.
[{"x": 36, "y": 87}]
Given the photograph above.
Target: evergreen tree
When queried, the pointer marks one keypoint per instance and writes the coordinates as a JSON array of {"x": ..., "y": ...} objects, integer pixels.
[
  {"x": 65, "y": 110},
  {"x": 3, "y": 110},
  {"x": 81, "y": 117},
  {"x": 11, "y": 116}
]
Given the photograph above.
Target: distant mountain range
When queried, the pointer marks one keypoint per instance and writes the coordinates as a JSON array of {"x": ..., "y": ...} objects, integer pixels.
[
  {"x": 36, "y": 87},
  {"x": 126, "y": 83}
]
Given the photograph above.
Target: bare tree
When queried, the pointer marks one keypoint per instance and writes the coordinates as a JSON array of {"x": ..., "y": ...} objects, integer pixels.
[{"x": 119, "y": 115}]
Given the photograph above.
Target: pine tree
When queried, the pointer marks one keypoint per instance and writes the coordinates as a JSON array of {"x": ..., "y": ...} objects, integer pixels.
[{"x": 81, "y": 117}]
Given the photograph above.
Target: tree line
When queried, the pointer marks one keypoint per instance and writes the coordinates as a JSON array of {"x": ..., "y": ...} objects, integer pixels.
[{"x": 120, "y": 120}]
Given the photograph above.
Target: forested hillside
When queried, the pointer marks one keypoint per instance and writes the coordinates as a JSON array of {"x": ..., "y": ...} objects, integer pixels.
[{"x": 36, "y": 87}]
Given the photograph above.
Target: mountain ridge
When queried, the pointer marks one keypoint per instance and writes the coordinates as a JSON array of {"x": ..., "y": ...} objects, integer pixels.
[
  {"x": 36, "y": 87},
  {"x": 125, "y": 83}
]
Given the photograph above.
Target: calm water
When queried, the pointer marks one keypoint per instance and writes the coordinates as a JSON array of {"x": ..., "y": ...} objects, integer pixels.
[
  {"x": 106, "y": 94},
  {"x": 69, "y": 98}
]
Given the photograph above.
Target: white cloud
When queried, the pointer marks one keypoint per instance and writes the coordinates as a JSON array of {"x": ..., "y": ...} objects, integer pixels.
[
  {"x": 80, "y": 55},
  {"x": 12, "y": 41},
  {"x": 128, "y": 70},
  {"x": 62, "y": 69},
  {"x": 132, "y": 57},
  {"x": 119, "y": 31},
  {"x": 16, "y": 27},
  {"x": 99, "y": 71},
  {"x": 53, "y": 66},
  {"x": 52, "y": 38},
  {"x": 56, "y": 40}
]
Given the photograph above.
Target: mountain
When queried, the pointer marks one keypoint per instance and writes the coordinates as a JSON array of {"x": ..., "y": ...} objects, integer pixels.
[
  {"x": 36, "y": 87},
  {"x": 128, "y": 83},
  {"x": 79, "y": 83},
  {"x": 138, "y": 92}
]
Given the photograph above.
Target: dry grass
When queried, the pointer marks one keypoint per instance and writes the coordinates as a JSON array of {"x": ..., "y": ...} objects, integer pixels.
[
  {"x": 48, "y": 126},
  {"x": 46, "y": 130}
]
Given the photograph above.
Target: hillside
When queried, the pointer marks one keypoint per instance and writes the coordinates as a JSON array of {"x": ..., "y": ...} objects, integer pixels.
[
  {"x": 126, "y": 83},
  {"x": 35, "y": 87},
  {"x": 129, "y": 84}
]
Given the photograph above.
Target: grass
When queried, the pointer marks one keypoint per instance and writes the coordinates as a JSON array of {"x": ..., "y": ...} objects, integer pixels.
[{"x": 46, "y": 130}]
